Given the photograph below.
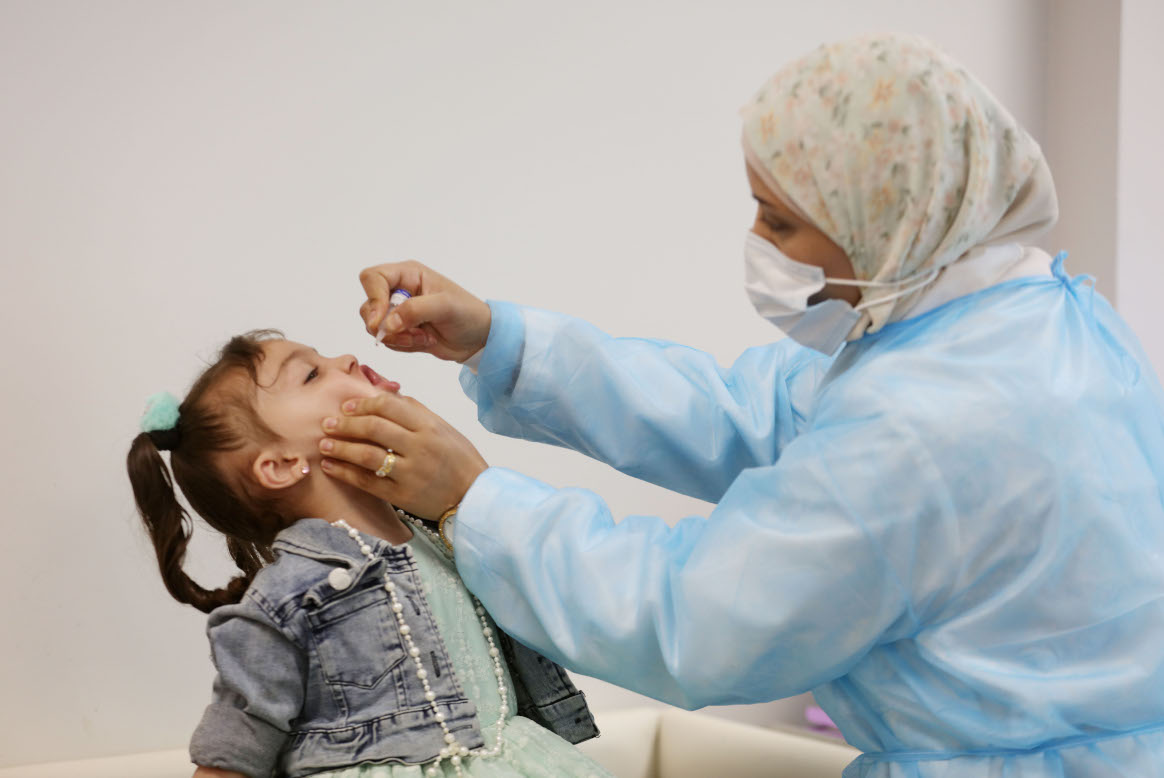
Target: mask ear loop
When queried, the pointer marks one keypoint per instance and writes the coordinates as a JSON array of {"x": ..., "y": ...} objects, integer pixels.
[{"x": 924, "y": 279}]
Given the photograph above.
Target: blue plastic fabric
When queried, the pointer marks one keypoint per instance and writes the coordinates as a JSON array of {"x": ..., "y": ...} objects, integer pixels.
[{"x": 953, "y": 534}]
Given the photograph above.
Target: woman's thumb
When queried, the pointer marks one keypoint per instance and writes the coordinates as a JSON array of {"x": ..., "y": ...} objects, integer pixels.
[{"x": 432, "y": 309}]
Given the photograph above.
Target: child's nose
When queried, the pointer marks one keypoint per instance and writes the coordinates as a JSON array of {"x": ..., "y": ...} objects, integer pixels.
[{"x": 344, "y": 363}]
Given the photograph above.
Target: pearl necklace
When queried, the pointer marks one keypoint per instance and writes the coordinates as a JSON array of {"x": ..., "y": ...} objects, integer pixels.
[{"x": 453, "y": 751}]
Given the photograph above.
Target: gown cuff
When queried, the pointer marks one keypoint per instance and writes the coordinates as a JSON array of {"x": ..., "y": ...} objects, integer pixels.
[
  {"x": 497, "y": 501},
  {"x": 499, "y": 362}
]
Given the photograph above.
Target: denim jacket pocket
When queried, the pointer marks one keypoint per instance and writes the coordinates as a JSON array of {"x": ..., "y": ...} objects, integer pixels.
[{"x": 356, "y": 640}]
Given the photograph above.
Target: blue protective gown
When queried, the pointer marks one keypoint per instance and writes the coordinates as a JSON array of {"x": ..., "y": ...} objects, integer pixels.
[{"x": 953, "y": 534}]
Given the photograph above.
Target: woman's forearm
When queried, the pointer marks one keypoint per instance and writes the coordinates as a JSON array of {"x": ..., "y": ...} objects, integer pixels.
[{"x": 658, "y": 411}]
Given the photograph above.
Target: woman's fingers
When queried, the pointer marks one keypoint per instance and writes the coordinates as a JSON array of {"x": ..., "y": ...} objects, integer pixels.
[
  {"x": 363, "y": 479},
  {"x": 365, "y": 455},
  {"x": 435, "y": 464},
  {"x": 372, "y": 428},
  {"x": 364, "y": 416},
  {"x": 378, "y": 283},
  {"x": 404, "y": 488},
  {"x": 420, "y": 310},
  {"x": 410, "y": 340},
  {"x": 366, "y": 314},
  {"x": 440, "y": 318}
]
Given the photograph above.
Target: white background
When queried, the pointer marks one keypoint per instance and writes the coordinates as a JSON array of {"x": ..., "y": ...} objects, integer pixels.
[{"x": 172, "y": 173}]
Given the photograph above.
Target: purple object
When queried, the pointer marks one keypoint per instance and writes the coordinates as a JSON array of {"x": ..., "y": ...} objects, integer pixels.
[{"x": 820, "y": 721}]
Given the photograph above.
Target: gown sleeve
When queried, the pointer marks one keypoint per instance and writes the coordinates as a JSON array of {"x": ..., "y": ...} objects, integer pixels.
[
  {"x": 661, "y": 412},
  {"x": 803, "y": 567}
]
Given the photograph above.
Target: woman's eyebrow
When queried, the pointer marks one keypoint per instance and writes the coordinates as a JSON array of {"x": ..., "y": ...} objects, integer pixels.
[
  {"x": 764, "y": 202},
  {"x": 778, "y": 210}
]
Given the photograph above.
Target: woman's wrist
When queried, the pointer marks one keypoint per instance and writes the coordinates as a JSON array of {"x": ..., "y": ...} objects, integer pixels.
[
  {"x": 445, "y": 526},
  {"x": 474, "y": 361},
  {"x": 473, "y": 471},
  {"x": 477, "y": 335}
]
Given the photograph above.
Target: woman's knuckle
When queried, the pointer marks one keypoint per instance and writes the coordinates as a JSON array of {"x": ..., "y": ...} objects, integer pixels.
[{"x": 380, "y": 429}]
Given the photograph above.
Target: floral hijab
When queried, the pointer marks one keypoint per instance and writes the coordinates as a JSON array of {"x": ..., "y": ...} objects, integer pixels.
[{"x": 900, "y": 156}]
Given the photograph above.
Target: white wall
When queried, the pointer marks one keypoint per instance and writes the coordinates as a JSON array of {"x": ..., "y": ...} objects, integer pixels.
[
  {"x": 174, "y": 172},
  {"x": 1104, "y": 111},
  {"x": 1140, "y": 273},
  {"x": 1082, "y": 100}
]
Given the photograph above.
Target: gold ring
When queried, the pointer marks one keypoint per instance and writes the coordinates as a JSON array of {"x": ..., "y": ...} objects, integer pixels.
[{"x": 387, "y": 465}]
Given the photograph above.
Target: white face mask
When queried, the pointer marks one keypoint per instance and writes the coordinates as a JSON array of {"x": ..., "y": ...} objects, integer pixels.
[{"x": 779, "y": 288}]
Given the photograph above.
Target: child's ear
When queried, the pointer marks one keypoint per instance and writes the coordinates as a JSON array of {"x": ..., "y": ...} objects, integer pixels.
[{"x": 277, "y": 469}]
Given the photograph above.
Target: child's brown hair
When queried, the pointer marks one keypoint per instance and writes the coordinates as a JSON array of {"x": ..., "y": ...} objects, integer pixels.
[{"x": 217, "y": 423}]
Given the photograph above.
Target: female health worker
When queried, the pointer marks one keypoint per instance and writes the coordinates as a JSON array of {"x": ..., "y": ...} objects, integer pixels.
[{"x": 939, "y": 502}]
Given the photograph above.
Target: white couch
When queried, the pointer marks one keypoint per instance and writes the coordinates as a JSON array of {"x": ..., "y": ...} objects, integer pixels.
[
  {"x": 672, "y": 743},
  {"x": 635, "y": 743}
]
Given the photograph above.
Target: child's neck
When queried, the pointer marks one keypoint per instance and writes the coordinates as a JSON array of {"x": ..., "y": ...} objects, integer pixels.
[{"x": 331, "y": 500}]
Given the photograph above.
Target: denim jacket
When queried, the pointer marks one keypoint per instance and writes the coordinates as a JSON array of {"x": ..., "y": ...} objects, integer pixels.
[{"x": 312, "y": 673}]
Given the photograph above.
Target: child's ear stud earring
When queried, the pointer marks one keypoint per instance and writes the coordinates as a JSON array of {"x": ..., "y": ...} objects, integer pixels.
[{"x": 305, "y": 470}]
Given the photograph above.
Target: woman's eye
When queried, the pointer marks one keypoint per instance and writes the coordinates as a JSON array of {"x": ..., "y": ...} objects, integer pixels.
[
  {"x": 776, "y": 225},
  {"x": 313, "y": 374}
]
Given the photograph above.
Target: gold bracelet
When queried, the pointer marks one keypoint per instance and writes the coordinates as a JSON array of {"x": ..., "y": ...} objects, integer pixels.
[{"x": 450, "y": 513}]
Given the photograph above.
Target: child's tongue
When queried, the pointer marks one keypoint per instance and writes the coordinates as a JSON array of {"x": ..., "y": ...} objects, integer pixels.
[{"x": 379, "y": 381}]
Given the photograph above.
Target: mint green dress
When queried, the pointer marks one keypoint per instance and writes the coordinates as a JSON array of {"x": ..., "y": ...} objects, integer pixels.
[{"x": 528, "y": 750}]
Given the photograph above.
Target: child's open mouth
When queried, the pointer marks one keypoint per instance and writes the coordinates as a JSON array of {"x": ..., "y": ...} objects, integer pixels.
[{"x": 379, "y": 381}]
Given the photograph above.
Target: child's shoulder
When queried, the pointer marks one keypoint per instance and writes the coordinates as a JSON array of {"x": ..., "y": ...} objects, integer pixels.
[{"x": 285, "y": 582}]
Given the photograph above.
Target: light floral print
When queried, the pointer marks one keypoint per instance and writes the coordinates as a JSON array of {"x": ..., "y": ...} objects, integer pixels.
[{"x": 894, "y": 151}]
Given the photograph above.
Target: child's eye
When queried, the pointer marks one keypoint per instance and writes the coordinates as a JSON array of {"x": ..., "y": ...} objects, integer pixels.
[{"x": 314, "y": 373}]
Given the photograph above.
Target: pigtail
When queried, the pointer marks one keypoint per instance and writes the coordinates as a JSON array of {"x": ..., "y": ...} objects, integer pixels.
[
  {"x": 249, "y": 556},
  {"x": 169, "y": 528},
  {"x": 208, "y": 436}
]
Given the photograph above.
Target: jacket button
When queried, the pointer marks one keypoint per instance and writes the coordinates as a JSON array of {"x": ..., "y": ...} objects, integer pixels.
[{"x": 339, "y": 579}]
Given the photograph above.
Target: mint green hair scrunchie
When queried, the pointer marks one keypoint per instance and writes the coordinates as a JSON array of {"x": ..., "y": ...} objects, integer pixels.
[{"x": 161, "y": 413}]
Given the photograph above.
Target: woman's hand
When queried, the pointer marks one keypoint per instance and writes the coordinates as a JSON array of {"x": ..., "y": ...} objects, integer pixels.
[
  {"x": 435, "y": 464},
  {"x": 441, "y": 318}
]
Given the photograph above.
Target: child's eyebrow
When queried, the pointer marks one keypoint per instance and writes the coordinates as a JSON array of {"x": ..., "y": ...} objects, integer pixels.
[{"x": 296, "y": 354}]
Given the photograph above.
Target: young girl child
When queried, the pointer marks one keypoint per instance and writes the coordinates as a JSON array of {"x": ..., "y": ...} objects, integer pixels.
[{"x": 347, "y": 647}]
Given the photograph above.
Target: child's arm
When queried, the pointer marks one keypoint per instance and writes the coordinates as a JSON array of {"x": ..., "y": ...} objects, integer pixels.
[{"x": 258, "y": 692}]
